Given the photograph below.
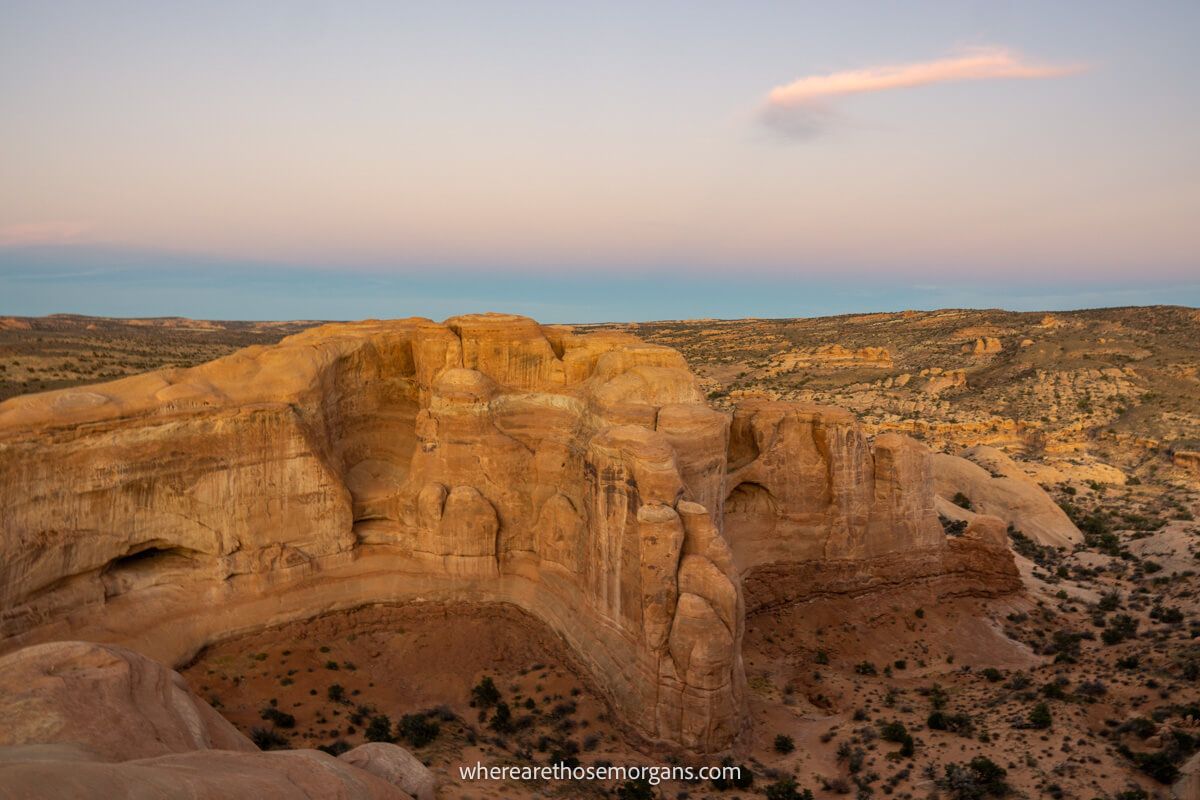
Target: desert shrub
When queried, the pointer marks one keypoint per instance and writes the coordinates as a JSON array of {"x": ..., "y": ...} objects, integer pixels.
[
  {"x": 952, "y": 527},
  {"x": 1120, "y": 628},
  {"x": 853, "y": 756},
  {"x": 360, "y": 714},
  {"x": 786, "y": 789},
  {"x": 992, "y": 674},
  {"x": 417, "y": 729},
  {"x": 1137, "y": 793},
  {"x": 502, "y": 721},
  {"x": 636, "y": 790},
  {"x": 962, "y": 501},
  {"x": 1158, "y": 765},
  {"x": 1166, "y": 614},
  {"x": 485, "y": 694},
  {"x": 1140, "y": 727},
  {"x": 336, "y": 693},
  {"x": 563, "y": 710},
  {"x": 280, "y": 719},
  {"x": 1018, "y": 682},
  {"x": 268, "y": 739},
  {"x": 744, "y": 779},
  {"x": 979, "y": 778},
  {"x": 961, "y": 724},
  {"x": 335, "y": 748},
  {"x": 1054, "y": 691},
  {"x": 865, "y": 668},
  {"x": 784, "y": 744},
  {"x": 379, "y": 729},
  {"x": 1064, "y": 646},
  {"x": 1042, "y": 555},
  {"x": 893, "y": 732},
  {"x": 1040, "y": 717}
]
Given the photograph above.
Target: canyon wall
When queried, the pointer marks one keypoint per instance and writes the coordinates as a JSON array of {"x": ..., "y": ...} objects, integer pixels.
[
  {"x": 580, "y": 477},
  {"x": 813, "y": 509}
]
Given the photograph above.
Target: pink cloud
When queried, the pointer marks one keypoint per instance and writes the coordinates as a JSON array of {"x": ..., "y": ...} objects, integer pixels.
[
  {"x": 810, "y": 95},
  {"x": 44, "y": 232}
]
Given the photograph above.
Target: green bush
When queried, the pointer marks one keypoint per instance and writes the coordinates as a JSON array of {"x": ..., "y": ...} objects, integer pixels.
[
  {"x": 961, "y": 724},
  {"x": 975, "y": 780},
  {"x": 744, "y": 779},
  {"x": 893, "y": 732},
  {"x": 502, "y": 721},
  {"x": 485, "y": 694},
  {"x": 636, "y": 790},
  {"x": 268, "y": 739},
  {"x": 1040, "y": 717},
  {"x": 417, "y": 729},
  {"x": 281, "y": 719},
  {"x": 786, "y": 789},
  {"x": 379, "y": 729},
  {"x": 1120, "y": 628}
]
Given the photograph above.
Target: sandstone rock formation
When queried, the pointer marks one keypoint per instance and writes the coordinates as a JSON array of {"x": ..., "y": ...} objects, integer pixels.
[
  {"x": 938, "y": 380},
  {"x": 1187, "y": 459},
  {"x": 395, "y": 765},
  {"x": 830, "y": 356},
  {"x": 983, "y": 346},
  {"x": 996, "y": 485},
  {"x": 487, "y": 459},
  {"x": 812, "y": 508},
  {"x": 93, "y": 721}
]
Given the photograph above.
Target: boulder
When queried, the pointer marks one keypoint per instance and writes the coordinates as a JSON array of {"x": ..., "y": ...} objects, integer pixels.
[
  {"x": 395, "y": 765},
  {"x": 85, "y": 720}
]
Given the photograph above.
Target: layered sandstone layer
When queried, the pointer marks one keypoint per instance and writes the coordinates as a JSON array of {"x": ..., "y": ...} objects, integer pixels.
[{"x": 485, "y": 459}]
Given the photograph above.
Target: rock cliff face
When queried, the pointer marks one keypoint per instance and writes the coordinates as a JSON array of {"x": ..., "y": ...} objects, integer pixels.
[
  {"x": 813, "y": 509},
  {"x": 486, "y": 459}
]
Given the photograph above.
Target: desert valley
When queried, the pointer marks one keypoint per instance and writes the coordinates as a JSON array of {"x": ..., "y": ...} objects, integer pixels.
[
  {"x": 631, "y": 401},
  {"x": 944, "y": 554}
]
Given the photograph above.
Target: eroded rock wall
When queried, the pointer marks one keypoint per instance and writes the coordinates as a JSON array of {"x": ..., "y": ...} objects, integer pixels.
[
  {"x": 812, "y": 508},
  {"x": 486, "y": 459}
]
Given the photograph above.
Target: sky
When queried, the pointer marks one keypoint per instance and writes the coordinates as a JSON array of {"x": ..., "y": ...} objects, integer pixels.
[{"x": 595, "y": 161}]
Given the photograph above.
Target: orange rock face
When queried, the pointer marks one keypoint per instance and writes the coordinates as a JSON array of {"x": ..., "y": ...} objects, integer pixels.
[{"x": 486, "y": 459}]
